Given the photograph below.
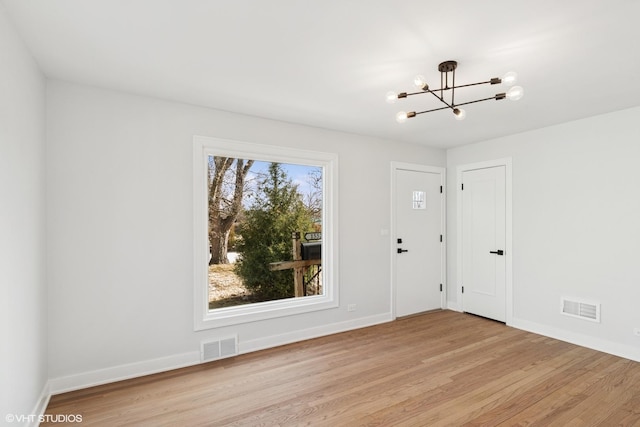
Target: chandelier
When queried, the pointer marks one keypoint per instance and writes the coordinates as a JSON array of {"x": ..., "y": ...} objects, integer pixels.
[{"x": 448, "y": 75}]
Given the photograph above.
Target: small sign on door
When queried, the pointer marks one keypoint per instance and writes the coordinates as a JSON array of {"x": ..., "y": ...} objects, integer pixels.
[{"x": 419, "y": 199}]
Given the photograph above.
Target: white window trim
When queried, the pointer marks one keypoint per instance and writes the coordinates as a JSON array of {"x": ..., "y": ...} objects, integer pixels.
[{"x": 207, "y": 319}]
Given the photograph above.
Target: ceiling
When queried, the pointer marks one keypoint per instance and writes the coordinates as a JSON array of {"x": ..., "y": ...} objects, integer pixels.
[{"x": 329, "y": 63}]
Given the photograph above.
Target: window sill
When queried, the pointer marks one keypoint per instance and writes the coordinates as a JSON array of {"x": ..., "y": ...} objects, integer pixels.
[{"x": 262, "y": 311}]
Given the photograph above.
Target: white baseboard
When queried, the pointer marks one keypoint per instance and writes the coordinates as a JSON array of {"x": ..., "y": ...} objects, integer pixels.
[
  {"x": 617, "y": 349},
  {"x": 40, "y": 406},
  {"x": 319, "y": 331},
  {"x": 122, "y": 372},
  {"x": 451, "y": 305},
  {"x": 133, "y": 370},
  {"x": 153, "y": 366}
]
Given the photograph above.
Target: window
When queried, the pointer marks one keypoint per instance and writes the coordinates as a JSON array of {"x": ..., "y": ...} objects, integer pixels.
[{"x": 261, "y": 171}]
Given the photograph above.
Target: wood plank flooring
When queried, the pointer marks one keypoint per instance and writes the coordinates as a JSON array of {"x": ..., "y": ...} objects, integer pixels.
[{"x": 439, "y": 369}]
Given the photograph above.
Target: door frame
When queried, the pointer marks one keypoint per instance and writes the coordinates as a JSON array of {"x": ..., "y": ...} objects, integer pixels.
[
  {"x": 395, "y": 166},
  {"x": 506, "y": 162}
]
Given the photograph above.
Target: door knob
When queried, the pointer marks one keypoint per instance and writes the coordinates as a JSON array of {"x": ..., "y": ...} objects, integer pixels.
[
  {"x": 400, "y": 250},
  {"x": 498, "y": 252}
]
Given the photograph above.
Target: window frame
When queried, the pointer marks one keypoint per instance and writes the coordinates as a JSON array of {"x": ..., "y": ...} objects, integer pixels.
[{"x": 226, "y": 316}]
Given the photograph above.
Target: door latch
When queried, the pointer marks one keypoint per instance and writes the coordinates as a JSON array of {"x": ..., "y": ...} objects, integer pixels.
[
  {"x": 498, "y": 252},
  {"x": 400, "y": 250}
]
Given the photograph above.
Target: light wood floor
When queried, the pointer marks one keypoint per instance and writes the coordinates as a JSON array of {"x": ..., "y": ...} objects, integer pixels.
[{"x": 439, "y": 369}]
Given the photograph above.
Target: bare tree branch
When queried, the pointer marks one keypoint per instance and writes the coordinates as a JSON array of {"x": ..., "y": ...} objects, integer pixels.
[{"x": 225, "y": 202}]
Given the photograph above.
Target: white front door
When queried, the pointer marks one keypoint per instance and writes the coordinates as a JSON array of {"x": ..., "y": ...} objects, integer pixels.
[
  {"x": 483, "y": 242},
  {"x": 418, "y": 247}
]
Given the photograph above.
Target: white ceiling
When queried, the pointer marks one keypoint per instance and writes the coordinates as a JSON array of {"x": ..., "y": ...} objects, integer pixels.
[{"x": 329, "y": 63}]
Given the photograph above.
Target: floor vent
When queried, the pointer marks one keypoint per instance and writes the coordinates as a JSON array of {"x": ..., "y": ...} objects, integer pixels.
[
  {"x": 219, "y": 349},
  {"x": 581, "y": 309}
]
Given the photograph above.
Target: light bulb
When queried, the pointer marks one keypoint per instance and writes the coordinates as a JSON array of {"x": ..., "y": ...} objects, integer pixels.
[
  {"x": 392, "y": 97},
  {"x": 420, "y": 81},
  {"x": 401, "y": 117},
  {"x": 510, "y": 78},
  {"x": 459, "y": 113},
  {"x": 515, "y": 93}
]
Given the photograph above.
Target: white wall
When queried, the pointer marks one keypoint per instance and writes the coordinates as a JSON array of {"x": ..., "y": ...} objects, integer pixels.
[
  {"x": 23, "y": 345},
  {"x": 576, "y": 226},
  {"x": 119, "y": 187}
]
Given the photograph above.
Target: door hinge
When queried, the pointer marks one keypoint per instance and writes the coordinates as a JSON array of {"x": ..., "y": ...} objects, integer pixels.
[
  {"x": 463, "y": 289},
  {"x": 441, "y": 238},
  {"x": 441, "y": 189},
  {"x": 440, "y": 287},
  {"x": 462, "y": 186}
]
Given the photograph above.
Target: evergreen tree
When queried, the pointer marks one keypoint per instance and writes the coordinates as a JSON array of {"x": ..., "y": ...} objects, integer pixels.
[{"x": 277, "y": 212}]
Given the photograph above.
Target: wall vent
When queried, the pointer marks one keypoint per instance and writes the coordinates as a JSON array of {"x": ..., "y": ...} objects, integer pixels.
[
  {"x": 582, "y": 309},
  {"x": 219, "y": 349}
]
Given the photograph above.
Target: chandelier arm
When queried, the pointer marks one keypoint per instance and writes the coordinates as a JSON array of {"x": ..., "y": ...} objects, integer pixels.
[
  {"x": 451, "y": 106},
  {"x": 443, "y": 101},
  {"x": 418, "y": 93},
  {"x": 434, "y": 109},
  {"x": 478, "y": 100},
  {"x": 471, "y": 84},
  {"x": 448, "y": 88}
]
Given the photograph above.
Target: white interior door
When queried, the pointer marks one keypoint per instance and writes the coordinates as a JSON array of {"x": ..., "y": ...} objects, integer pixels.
[
  {"x": 483, "y": 240},
  {"x": 418, "y": 248}
]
